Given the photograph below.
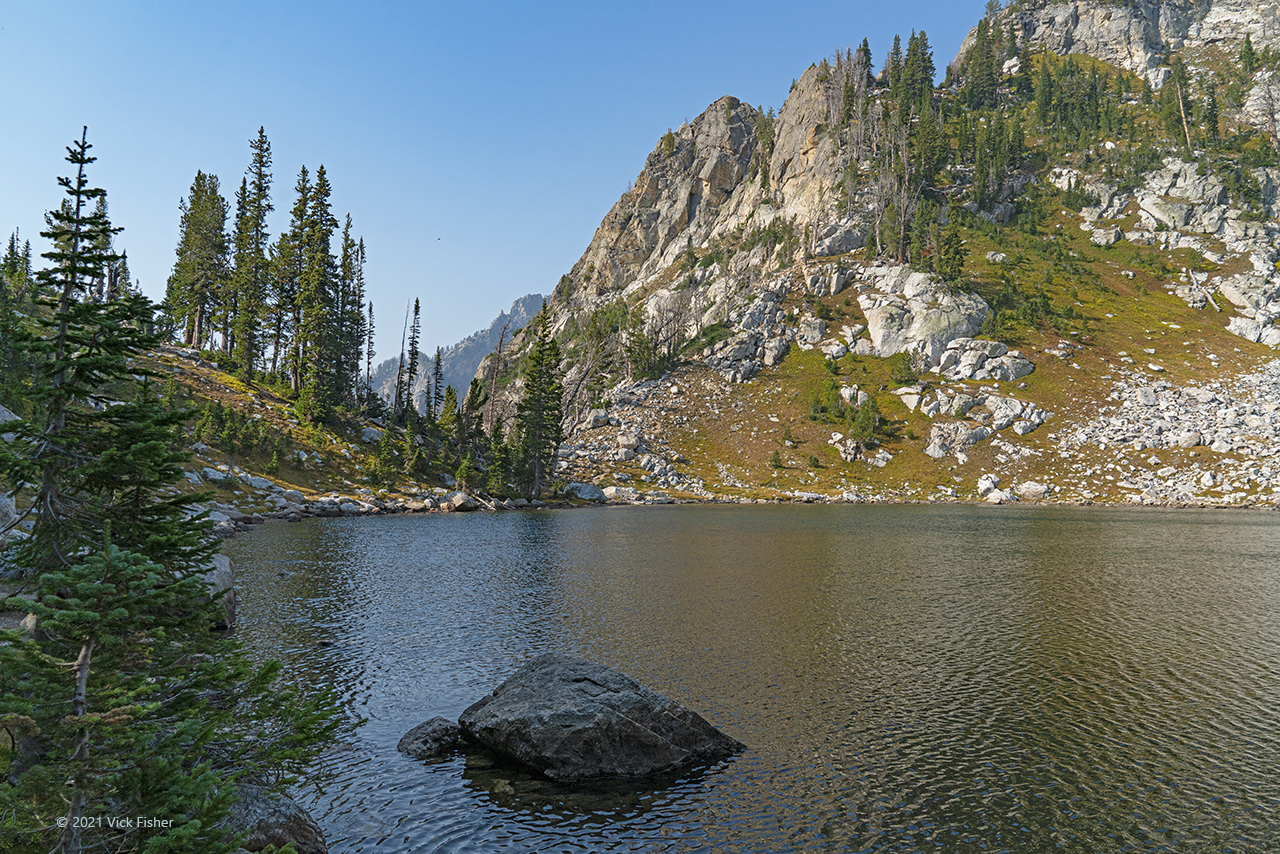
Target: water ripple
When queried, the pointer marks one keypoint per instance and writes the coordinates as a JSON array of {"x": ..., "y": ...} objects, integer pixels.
[{"x": 908, "y": 679}]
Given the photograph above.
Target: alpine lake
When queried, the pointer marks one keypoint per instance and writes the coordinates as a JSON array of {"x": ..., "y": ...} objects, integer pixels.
[{"x": 907, "y": 678}]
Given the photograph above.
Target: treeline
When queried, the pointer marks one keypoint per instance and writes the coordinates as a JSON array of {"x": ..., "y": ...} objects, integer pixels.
[
  {"x": 124, "y": 697},
  {"x": 291, "y": 312}
]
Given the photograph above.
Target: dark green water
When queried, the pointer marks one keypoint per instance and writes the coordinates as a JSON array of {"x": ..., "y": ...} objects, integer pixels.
[{"x": 953, "y": 679}]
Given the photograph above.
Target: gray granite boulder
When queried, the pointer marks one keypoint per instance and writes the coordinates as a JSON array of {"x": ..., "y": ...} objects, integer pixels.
[
  {"x": 571, "y": 719},
  {"x": 219, "y": 578},
  {"x": 457, "y": 502},
  {"x": 431, "y": 739},
  {"x": 585, "y": 491}
]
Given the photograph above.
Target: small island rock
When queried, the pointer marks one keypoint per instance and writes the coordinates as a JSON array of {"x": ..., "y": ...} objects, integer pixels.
[
  {"x": 434, "y": 738},
  {"x": 571, "y": 719}
]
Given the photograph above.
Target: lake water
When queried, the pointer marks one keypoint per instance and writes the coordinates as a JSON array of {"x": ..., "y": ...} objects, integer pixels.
[{"x": 907, "y": 678}]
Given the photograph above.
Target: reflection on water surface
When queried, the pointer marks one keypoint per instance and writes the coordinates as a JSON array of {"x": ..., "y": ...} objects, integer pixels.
[{"x": 907, "y": 679}]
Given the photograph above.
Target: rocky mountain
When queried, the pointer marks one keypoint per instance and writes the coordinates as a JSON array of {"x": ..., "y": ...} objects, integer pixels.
[
  {"x": 1137, "y": 35},
  {"x": 949, "y": 293},
  {"x": 459, "y": 361},
  {"x": 756, "y": 244}
]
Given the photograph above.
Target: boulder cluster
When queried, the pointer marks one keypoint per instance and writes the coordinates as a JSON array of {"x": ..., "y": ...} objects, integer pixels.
[{"x": 1180, "y": 206}]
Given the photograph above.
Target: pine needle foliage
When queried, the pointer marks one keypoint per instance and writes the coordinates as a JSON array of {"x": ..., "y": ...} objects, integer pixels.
[{"x": 122, "y": 702}]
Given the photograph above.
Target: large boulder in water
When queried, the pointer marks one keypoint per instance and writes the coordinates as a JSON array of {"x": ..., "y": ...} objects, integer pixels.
[{"x": 574, "y": 720}]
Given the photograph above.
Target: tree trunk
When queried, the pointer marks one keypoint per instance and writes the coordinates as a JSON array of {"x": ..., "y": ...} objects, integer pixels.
[{"x": 69, "y": 839}]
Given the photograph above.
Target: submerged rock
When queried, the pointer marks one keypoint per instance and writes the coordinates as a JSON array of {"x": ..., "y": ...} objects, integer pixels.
[
  {"x": 273, "y": 819},
  {"x": 571, "y": 719}
]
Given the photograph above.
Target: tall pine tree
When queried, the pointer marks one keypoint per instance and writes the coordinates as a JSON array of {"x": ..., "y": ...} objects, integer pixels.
[
  {"x": 539, "y": 414},
  {"x": 123, "y": 700},
  {"x": 253, "y": 266}
]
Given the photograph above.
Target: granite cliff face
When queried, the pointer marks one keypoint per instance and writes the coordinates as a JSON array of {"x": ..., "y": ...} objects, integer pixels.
[
  {"x": 1136, "y": 35},
  {"x": 703, "y": 181}
]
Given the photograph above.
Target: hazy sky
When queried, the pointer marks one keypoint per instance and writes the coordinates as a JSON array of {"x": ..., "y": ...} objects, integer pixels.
[{"x": 476, "y": 145}]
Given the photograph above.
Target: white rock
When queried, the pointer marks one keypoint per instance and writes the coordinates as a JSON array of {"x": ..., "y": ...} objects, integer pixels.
[
  {"x": 1030, "y": 490},
  {"x": 621, "y": 493},
  {"x": 585, "y": 491}
]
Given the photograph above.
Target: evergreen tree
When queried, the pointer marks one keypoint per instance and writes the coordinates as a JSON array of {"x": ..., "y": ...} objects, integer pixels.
[
  {"x": 893, "y": 67},
  {"x": 864, "y": 51},
  {"x": 349, "y": 316},
  {"x": 196, "y": 286},
  {"x": 370, "y": 398},
  {"x": 17, "y": 292},
  {"x": 952, "y": 253},
  {"x": 499, "y": 473},
  {"x": 981, "y": 81},
  {"x": 449, "y": 416},
  {"x": 1248, "y": 56},
  {"x": 121, "y": 696},
  {"x": 315, "y": 346},
  {"x": 412, "y": 371},
  {"x": 437, "y": 384},
  {"x": 540, "y": 411},
  {"x": 286, "y": 273},
  {"x": 251, "y": 280},
  {"x": 918, "y": 70},
  {"x": 399, "y": 400},
  {"x": 1210, "y": 116},
  {"x": 1044, "y": 92}
]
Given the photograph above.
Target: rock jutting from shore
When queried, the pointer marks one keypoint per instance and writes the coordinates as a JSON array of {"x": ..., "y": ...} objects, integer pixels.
[{"x": 572, "y": 719}]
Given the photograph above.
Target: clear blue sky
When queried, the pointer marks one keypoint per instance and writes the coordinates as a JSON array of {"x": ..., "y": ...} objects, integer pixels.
[{"x": 476, "y": 145}]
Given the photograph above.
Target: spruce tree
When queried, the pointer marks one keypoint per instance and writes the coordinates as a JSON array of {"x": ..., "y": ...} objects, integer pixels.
[
  {"x": 437, "y": 383},
  {"x": 1210, "y": 115},
  {"x": 540, "y": 411},
  {"x": 286, "y": 273},
  {"x": 349, "y": 319},
  {"x": 370, "y": 398},
  {"x": 123, "y": 699},
  {"x": 952, "y": 252},
  {"x": 316, "y": 345},
  {"x": 253, "y": 266},
  {"x": 893, "y": 67},
  {"x": 17, "y": 292},
  {"x": 1248, "y": 56},
  {"x": 195, "y": 291},
  {"x": 411, "y": 373}
]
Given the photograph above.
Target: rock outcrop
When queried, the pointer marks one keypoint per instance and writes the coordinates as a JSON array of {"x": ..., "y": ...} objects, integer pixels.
[
  {"x": 1136, "y": 35},
  {"x": 571, "y": 719}
]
